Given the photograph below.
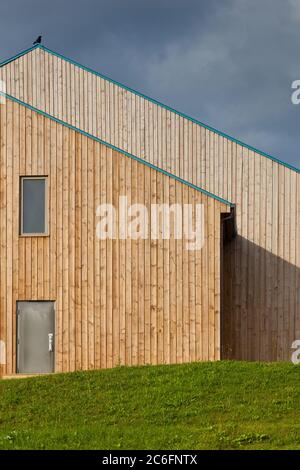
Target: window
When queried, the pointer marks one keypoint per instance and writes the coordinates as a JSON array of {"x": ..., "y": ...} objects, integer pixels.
[{"x": 33, "y": 205}]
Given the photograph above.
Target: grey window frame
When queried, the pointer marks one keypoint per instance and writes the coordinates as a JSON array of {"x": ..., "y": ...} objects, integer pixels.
[{"x": 38, "y": 234}]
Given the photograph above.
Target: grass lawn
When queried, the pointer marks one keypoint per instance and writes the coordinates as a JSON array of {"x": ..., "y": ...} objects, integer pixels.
[{"x": 221, "y": 405}]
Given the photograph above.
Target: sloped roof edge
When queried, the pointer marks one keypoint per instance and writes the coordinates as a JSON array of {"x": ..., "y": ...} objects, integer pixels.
[
  {"x": 113, "y": 147},
  {"x": 153, "y": 100},
  {"x": 17, "y": 56}
]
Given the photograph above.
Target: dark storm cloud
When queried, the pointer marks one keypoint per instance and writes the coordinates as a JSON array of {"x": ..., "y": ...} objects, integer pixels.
[{"x": 229, "y": 63}]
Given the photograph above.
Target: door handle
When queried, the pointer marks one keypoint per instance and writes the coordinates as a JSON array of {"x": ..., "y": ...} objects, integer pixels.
[{"x": 50, "y": 342}]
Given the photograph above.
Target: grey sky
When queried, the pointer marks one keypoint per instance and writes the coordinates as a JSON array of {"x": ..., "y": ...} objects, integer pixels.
[{"x": 229, "y": 63}]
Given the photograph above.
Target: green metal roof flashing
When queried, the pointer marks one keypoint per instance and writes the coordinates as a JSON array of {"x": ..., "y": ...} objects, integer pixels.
[
  {"x": 113, "y": 147},
  {"x": 206, "y": 126},
  {"x": 17, "y": 56}
]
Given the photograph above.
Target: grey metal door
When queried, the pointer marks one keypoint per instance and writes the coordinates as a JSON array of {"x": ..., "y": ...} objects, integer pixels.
[{"x": 35, "y": 329}]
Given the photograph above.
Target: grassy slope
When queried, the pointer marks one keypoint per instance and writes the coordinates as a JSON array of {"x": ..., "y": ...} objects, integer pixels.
[{"x": 223, "y": 405}]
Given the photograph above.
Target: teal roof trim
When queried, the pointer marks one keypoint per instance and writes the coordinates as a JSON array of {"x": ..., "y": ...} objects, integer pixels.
[
  {"x": 15, "y": 57},
  {"x": 113, "y": 147},
  {"x": 206, "y": 126}
]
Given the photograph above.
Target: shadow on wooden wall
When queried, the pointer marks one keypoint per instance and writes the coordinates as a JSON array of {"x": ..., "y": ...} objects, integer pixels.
[{"x": 265, "y": 323}]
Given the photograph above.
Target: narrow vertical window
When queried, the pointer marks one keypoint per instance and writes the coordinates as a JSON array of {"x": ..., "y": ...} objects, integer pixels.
[{"x": 33, "y": 205}]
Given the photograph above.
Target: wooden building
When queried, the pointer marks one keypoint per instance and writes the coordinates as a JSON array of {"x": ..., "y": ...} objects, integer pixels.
[{"x": 115, "y": 301}]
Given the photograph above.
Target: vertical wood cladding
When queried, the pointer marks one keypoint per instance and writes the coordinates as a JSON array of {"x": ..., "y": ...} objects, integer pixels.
[
  {"x": 117, "y": 301},
  {"x": 262, "y": 268}
]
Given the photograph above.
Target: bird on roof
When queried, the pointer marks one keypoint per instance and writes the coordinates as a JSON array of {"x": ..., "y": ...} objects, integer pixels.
[{"x": 38, "y": 40}]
